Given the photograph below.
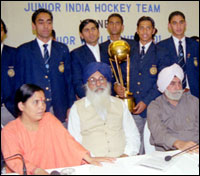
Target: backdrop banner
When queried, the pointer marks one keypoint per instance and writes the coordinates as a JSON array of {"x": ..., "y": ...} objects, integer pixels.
[{"x": 69, "y": 14}]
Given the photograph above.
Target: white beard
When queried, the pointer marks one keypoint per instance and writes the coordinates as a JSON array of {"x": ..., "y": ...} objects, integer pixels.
[
  {"x": 100, "y": 101},
  {"x": 176, "y": 96}
]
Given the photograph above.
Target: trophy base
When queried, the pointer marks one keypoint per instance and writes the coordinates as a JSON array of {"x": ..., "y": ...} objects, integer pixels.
[{"x": 129, "y": 101}]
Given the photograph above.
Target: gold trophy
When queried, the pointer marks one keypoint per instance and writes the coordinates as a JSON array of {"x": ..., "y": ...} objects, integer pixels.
[{"x": 119, "y": 52}]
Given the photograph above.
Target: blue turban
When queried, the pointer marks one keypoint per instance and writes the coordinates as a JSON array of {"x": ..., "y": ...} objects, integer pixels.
[{"x": 93, "y": 67}]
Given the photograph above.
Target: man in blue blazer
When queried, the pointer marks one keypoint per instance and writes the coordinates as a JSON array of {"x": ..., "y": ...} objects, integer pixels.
[
  {"x": 46, "y": 63},
  {"x": 146, "y": 61},
  {"x": 83, "y": 55},
  {"x": 8, "y": 70},
  {"x": 115, "y": 27},
  {"x": 177, "y": 25}
]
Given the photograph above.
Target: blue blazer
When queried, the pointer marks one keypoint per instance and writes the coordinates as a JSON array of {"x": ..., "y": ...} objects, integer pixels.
[
  {"x": 192, "y": 61},
  {"x": 56, "y": 83},
  {"x": 143, "y": 73},
  {"x": 80, "y": 58},
  {"x": 8, "y": 75}
]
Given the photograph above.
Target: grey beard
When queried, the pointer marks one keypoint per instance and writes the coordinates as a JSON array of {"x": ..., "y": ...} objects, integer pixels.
[
  {"x": 100, "y": 101},
  {"x": 175, "y": 95}
]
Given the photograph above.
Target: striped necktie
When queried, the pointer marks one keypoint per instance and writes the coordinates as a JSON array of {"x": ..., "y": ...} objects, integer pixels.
[
  {"x": 181, "y": 62},
  {"x": 142, "y": 52},
  {"x": 46, "y": 56}
]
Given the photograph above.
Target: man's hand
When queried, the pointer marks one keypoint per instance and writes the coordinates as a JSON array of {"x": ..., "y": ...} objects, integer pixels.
[
  {"x": 120, "y": 90},
  {"x": 182, "y": 145},
  {"x": 139, "y": 108}
]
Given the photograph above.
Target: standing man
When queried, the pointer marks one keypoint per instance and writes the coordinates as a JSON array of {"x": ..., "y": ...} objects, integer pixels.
[
  {"x": 46, "y": 63},
  {"x": 8, "y": 81},
  {"x": 89, "y": 52},
  {"x": 183, "y": 51},
  {"x": 146, "y": 61},
  {"x": 115, "y": 27}
]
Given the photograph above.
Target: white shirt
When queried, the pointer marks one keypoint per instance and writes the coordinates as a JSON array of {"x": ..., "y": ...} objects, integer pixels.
[
  {"x": 1, "y": 48},
  {"x": 176, "y": 43},
  {"x": 95, "y": 50},
  {"x": 131, "y": 132},
  {"x": 146, "y": 47},
  {"x": 41, "y": 43}
]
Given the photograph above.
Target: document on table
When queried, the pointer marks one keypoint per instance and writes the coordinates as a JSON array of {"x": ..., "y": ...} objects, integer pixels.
[{"x": 157, "y": 162}]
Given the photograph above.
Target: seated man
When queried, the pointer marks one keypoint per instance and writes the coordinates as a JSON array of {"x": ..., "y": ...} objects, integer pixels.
[
  {"x": 101, "y": 122},
  {"x": 173, "y": 118}
]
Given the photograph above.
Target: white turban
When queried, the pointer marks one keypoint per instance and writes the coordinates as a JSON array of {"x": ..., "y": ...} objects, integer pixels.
[{"x": 167, "y": 74}]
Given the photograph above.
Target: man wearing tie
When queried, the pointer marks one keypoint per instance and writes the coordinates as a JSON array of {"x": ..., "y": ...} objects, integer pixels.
[
  {"x": 115, "y": 28},
  {"x": 46, "y": 63},
  {"x": 91, "y": 51},
  {"x": 147, "y": 60},
  {"x": 183, "y": 51}
]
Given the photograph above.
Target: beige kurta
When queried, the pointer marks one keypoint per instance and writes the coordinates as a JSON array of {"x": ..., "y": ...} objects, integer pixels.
[{"x": 102, "y": 137}]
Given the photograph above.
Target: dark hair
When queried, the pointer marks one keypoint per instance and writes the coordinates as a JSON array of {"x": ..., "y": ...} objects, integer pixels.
[
  {"x": 136, "y": 37},
  {"x": 146, "y": 18},
  {"x": 196, "y": 38},
  {"x": 53, "y": 33},
  {"x": 4, "y": 26},
  {"x": 176, "y": 13},
  {"x": 87, "y": 21},
  {"x": 116, "y": 15},
  {"x": 24, "y": 93},
  {"x": 37, "y": 12}
]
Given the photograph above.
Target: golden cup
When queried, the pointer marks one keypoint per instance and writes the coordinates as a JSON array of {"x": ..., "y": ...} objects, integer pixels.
[{"x": 119, "y": 52}]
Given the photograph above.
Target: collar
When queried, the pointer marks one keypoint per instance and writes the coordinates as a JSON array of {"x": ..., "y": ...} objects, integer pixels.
[
  {"x": 92, "y": 47},
  {"x": 41, "y": 43},
  {"x": 113, "y": 41},
  {"x": 176, "y": 40},
  {"x": 146, "y": 46}
]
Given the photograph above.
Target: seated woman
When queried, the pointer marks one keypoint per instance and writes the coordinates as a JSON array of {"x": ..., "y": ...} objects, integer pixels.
[{"x": 40, "y": 137}]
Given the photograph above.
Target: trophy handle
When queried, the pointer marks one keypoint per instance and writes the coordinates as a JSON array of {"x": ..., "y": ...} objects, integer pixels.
[
  {"x": 114, "y": 70},
  {"x": 119, "y": 71},
  {"x": 128, "y": 73}
]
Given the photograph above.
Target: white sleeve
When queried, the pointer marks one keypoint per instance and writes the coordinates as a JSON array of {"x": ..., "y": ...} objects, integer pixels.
[
  {"x": 132, "y": 134},
  {"x": 74, "y": 124}
]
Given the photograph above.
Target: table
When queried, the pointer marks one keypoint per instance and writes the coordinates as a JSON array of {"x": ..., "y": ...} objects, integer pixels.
[{"x": 183, "y": 164}]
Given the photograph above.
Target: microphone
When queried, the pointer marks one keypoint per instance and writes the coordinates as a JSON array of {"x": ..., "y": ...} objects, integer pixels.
[
  {"x": 24, "y": 166},
  {"x": 168, "y": 158},
  {"x": 55, "y": 173}
]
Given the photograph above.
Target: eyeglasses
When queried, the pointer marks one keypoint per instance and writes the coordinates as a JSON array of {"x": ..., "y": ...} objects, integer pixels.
[{"x": 93, "y": 80}]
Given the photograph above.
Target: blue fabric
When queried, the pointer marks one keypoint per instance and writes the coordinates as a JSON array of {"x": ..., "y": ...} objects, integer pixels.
[
  {"x": 93, "y": 67},
  {"x": 8, "y": 78},
  {"x": 192, "y": 61},
  {"x": 143, "y": 74},
  {"x": 57, "y": 83}
]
